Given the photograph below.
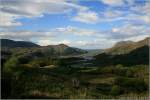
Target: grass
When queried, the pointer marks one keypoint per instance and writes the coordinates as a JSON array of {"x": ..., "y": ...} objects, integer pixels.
[
  {"x": 98, "y": 80},
  {"x": 49, "y": 66},
  {"x": 74, "y": 82}
]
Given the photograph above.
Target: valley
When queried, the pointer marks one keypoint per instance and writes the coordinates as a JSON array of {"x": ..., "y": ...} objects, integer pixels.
[{"x": 60, "y": 71}]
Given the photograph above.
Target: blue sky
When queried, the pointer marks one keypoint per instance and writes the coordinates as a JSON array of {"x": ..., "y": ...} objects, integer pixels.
[{"x": 87, "y": 24}]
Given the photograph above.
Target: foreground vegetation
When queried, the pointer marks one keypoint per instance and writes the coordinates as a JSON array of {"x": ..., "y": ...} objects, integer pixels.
[{"x": 53, "y": 78}]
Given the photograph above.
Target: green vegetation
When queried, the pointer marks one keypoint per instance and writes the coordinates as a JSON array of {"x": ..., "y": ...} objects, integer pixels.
[
  {"x": 115, "y": 90},
  {"x": 35, "y": 80},
  {"x": 132, "y": 84},
  {"x": 30, "y": 73}
]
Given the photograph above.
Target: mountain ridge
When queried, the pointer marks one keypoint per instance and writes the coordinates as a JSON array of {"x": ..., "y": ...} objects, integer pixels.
[
  {"x": 127, "y": 46},
  {"x": 13, "y": 44},
  {"x": 60, "y": 49},
  {"x": 128, "y": 54}
]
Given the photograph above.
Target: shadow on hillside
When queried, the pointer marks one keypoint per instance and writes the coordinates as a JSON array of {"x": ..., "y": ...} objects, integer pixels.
[{"x": 136, "y": 57}]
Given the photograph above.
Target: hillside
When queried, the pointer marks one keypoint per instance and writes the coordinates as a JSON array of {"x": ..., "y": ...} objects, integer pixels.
[
  {"x": 31, "y": 50},
  {"x": 126, "y": 54},
  {"x": 13, "y": 44},
  {"x": 121, "y": 43},
  {"x": 62, "y": 49},
  {"x": 125, "y": 47}
]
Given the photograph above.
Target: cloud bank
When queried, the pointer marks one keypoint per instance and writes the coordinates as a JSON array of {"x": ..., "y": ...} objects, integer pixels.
[{"x": 132, "y": 15}]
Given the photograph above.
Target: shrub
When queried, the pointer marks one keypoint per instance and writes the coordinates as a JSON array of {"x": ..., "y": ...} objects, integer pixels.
[
  {"x": 120, "y": 70},
  {"x": 109, "y": 69},
  {"x": 61, "y": 62},
  {"x": 34, "y": 64},
  {"x": 11, "y": 64},
  {"x": 119, "y": 66},
  {"x": 103, "y": 88},
  {"x": 115, "y": 90},
  {"x": 129, "y": 73},
  {"x": 42, "y": 64},
  {"x": 132, "y": 84},
  {"x": 23, "y": 60}
]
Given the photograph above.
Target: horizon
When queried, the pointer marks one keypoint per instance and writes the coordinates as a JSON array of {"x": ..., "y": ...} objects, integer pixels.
[
  {"x": 77, "y": 47},
  {"x": 97, "y": 24}
]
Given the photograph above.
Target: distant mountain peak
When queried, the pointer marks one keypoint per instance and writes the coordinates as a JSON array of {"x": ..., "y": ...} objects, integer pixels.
[
  {"x": 121, "y": 43},
  {"x": 59, "y": 45},
  {"x": 148, "y": 38},
  {"x": 63, "y": 45}
]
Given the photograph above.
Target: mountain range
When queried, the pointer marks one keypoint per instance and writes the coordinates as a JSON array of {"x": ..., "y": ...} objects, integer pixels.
[
  {"x": 123, "y": 52},
  {"x": 32, "y": 50}
]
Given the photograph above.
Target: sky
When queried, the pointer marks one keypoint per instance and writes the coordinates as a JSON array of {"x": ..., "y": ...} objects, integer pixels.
[{"x": 86, "y": 24}]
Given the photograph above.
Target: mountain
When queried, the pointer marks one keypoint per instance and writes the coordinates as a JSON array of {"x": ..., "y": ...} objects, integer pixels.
[
  {"x": 132, "y": 53},
  {"x": 125, "y": 47},
  {"x": 13, "y": 44},
  {"x": 22, "y": 48},
  {"x": 62, "y": 50},
  {"x": 121, "y": 43}
]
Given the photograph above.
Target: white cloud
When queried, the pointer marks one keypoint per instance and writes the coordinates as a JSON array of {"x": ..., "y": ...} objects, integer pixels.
[
  {"x": 76, "y": 31},
  {"x": 134, "y": 22},
  {"x": 142, "y": 9},
  {"x": 101, "y": 39},
  {"x": 129, "y": 31},
  {"x": 34, "y": 8},
  {"x": 113, "y": 2},
  {"x": 10, "y": 10},
  {"x": 8, "y": 20},
  {"x": 130, "y": 2},
  {"x": 94, "y": 44},
  {"x": 144, "y": 12},
  {"x": 112, "y": 13},
  {"x": 26, "y": 35},
  {"x": 137, "y": 38},
  {"x": 84, "y": 44},
  {"x": 45, "y": 42},
  {"x": 115, "y": 30},
  {"x": 87, "y": 17},
  {"x": 96, "y": 39},
  {"x": 135, "y": 13}
]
